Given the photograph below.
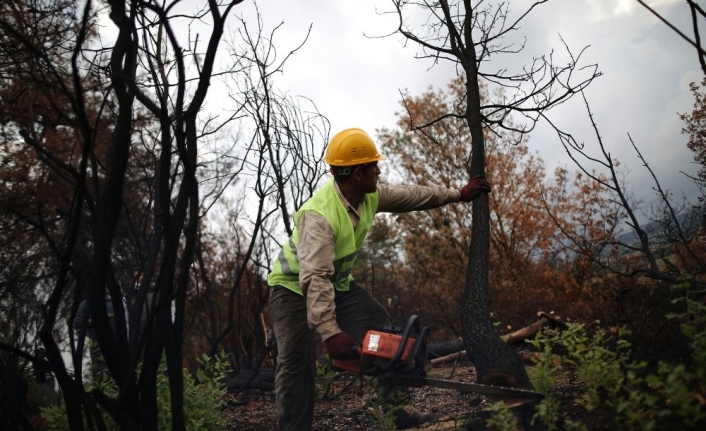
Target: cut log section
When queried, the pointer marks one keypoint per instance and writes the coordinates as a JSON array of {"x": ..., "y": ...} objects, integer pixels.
[
  {"x": 448, "y": 358},
  {"x": 545, "y": 319},
  {"x": 439, "y": 350}
]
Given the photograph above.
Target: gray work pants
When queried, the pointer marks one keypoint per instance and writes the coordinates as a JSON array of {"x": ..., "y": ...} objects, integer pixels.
[{"x": 356, "y": 312}]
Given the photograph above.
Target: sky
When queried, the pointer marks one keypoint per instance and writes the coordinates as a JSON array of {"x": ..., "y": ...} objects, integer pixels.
[{"x": 354, "y": 75}]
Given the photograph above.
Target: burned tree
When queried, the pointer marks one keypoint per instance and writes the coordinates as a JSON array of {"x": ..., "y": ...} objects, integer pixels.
[
  {"x": 279, "y": 163},
  {"x": 111, "y": 165},
  {"x": 468, "y": 34},
  {"x": 88, "y": 110}
]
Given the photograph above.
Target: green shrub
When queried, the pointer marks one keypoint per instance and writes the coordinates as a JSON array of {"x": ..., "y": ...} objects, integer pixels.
[
  {"x": 611, "y": 381},
  {"x": 324, "y": 379},
  {"x": 204, "y": 398},
  {"x": 501, "y": 418},
  {"x": 386, "y": 405}
]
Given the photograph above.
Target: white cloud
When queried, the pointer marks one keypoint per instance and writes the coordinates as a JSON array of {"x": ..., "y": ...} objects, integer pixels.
[
  {"x": 624, "y": 7},
  {"x": 606, "y": 9}
]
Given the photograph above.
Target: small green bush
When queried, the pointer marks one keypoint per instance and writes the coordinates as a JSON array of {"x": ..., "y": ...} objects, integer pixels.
[
  {"x": 501, "y": 418},
  {"x": 610, "y": 380},
  {"x": 204, "y": 398},
  {"x": 324, "y": 380},
  {"x": 388, "y": 401}
]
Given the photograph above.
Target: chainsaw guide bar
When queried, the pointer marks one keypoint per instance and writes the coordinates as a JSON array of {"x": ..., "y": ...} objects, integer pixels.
[{"x": 492, "y": 391}]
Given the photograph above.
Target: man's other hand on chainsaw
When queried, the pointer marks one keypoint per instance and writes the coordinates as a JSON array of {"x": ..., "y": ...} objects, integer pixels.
[
  {"x": 341, "y": 346},
  {"x": 474, "y": 188}
]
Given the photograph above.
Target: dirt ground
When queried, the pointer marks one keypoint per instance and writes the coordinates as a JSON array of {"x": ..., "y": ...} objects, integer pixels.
[{"x": 352, "y": 406}]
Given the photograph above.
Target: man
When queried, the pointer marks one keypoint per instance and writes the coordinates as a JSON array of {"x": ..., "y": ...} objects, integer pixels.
[{"x": 312, "y": 290}]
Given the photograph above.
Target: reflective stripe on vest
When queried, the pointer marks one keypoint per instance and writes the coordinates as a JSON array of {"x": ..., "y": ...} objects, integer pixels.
[
  {"x": 283, "y": 261},
  {"x": 326, "y": 201}
]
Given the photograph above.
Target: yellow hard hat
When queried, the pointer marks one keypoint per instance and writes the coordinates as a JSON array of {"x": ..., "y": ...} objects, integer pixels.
[{"x": 352, "y": 147}]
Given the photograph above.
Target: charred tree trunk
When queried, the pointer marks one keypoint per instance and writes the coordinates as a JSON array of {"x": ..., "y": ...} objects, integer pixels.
[{"x": 495, "y": 361}]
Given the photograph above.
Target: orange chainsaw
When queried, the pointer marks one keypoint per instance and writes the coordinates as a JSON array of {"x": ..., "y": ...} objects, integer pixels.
[{"x": 398, "y": 356}]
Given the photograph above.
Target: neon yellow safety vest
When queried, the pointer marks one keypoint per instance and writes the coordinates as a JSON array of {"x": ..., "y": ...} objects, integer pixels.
[{"x": 347, "y": 241}]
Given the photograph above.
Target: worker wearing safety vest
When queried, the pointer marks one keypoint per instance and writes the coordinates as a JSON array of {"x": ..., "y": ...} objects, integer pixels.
[{"x": 312, "y": 290}]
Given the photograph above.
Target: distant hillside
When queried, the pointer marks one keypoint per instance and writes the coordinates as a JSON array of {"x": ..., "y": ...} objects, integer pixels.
[{"x": 662, "y": 233}]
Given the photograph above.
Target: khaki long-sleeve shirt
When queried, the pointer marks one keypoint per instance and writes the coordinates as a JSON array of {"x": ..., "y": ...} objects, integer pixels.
[{"x": 315, "y": 248}]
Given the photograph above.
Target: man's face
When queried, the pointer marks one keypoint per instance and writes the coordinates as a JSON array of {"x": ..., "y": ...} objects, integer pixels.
[{"x": 369, "y": 175}]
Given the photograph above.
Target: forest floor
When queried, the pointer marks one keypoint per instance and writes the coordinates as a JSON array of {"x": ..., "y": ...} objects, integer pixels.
[{"x": 356, "y": 407}]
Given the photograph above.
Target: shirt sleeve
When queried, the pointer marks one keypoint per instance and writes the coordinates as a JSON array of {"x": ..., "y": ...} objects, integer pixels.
[
  {"x": 405, "y": 198},
  {"x": 315, "y": 249}
]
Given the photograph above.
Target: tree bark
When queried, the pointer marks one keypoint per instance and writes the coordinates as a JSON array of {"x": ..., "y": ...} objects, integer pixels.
[{"x": 495, "y": 361}]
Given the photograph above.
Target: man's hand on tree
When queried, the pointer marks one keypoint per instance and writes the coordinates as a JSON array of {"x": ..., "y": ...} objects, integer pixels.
[
  {"x": 474, "y": 188},
  {"x": 341, "y": 346}
]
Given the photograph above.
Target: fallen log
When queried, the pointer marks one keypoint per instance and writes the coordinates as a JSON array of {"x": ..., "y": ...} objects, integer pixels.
[
  {"x": 443, "y": 349},
  {"x": 452, "y": 350},
  {"x": 263, "y": 380},
  {"x": 448, "y": 358},
  {"x": 545, "y": 319}
]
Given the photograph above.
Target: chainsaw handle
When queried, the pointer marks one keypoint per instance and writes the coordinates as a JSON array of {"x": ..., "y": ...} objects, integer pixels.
[{"x": 412, "y": 323}]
